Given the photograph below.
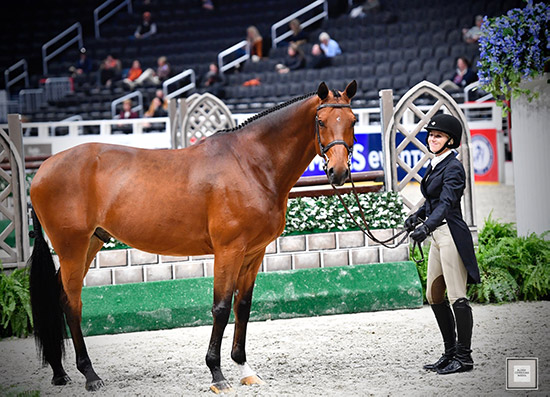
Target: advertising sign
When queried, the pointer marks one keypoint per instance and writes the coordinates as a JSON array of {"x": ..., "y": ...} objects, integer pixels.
[
  {"x": 368, "y": 156},
  {"x": 484, "y": 155}
]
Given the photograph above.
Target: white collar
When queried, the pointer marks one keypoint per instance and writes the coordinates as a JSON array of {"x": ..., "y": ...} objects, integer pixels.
[{"x": 438, "y": 159}]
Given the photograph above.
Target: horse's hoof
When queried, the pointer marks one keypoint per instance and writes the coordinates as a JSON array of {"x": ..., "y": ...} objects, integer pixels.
[
  {"x": 94, "y": 385},
  {"x": 252, "y": 380},
  {"x": 221, "y": 387},
  {"x": 61, "y": 380}
]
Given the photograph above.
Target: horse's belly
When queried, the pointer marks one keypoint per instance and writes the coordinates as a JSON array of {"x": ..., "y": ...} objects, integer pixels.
[{"x": 168, "y": 233}]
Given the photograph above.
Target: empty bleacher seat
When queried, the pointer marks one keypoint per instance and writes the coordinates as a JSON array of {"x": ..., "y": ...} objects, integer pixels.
[
  {"x": 430, "y": 65},
  {"x": 382, "y": 69},
  {"x": 401, "y": 82},
  {"x": 414, "y": 66},
  {"x": 441, "y": 51},
  {"x": 384, "y": 83},
  {"x": 398, "y": 67}
]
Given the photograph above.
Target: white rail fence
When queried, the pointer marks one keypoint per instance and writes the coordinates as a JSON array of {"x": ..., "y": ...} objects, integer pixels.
[{"x": 53, "y": 137}]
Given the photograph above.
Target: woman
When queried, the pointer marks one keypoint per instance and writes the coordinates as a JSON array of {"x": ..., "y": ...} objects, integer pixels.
[
  {"x": 451, "y": 263},
  {"x": 463, "y": 76},
  {"x": 133, "y": 73},
  {"x": 255, "y": 42},
  {"x": 110, "y": 70},
  {"x": 298, "y": 37},
  {"x": 155, "y": 77},
  {"x": 295, "y": 60}
]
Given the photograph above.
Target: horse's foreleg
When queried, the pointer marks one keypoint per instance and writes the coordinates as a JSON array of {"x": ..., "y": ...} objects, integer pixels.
[
  {"x": 226, "y": 265},
  {"x": 72, "y": 279},
  {"x": 241, "y": 307}
]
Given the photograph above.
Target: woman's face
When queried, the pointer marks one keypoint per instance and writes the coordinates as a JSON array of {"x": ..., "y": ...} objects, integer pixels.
[{"x": 436, "y": 140}]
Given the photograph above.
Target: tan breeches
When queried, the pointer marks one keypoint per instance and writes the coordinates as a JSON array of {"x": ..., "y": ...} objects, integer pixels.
[{"x": 446, "y": 271}]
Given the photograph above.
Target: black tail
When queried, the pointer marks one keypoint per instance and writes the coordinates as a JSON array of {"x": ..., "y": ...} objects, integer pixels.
[{"x": 45, "y": 287}]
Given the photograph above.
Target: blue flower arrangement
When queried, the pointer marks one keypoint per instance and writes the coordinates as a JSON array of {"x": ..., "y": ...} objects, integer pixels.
[{"x": 514, "y": 47}]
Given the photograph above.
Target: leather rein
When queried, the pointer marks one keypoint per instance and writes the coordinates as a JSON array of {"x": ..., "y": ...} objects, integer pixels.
[{"x": 365, "y": 227}]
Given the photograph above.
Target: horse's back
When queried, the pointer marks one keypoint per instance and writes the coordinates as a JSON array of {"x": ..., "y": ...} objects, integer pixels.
[{"x": 108, "y": 186}]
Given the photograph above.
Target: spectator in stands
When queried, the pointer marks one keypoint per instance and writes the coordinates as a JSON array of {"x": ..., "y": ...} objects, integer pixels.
[
  {"x": 133, "y": 73},
  {"x": 318, "y": 58},
  {"x": 371, "y": 6},
  {"x": 214, "y": 81},
  {"x": 156, "y": 108},
  {"x": 256, "y": 42},
  {"x": 151, "y": 76},
  {"x": 146, "y": 28},
  {"x": 472, "y": 35},
  {"x": 208, "y": 5},
  {"x": 110, "y": 70},
  {"x": 295, "y": 60},
  {"x": 330, "y": 47},
  {"x": 159, "y": 93},
  {"x": 463, "y": 76},
  {"x": 127, "y": 112},
  {"x": 82, "y": 68},
  {"x": 298, "y": 37}
]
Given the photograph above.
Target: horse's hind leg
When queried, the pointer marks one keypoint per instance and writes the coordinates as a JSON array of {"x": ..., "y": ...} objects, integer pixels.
[
  {"x": 241, "y": 309},
  {"x": 74, "y": 267}
]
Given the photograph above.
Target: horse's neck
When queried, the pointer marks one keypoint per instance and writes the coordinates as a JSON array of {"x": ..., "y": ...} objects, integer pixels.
[
  {"x": 291, "y": 143},
  {"x": 288, "y": 144}
]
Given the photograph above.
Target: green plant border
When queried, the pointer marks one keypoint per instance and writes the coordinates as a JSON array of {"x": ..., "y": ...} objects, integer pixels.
[{"x": 512, "y": 268}]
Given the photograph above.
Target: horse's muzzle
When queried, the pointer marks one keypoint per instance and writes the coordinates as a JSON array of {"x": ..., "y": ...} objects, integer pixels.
[{"x": 337, "y": 176}]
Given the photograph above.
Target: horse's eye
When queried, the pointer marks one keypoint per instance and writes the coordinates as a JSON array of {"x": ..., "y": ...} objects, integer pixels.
[{"x": 321, "y": 123}]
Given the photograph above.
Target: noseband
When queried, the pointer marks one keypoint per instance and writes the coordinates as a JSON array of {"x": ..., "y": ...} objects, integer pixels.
[{"x": 324, "y": 149}]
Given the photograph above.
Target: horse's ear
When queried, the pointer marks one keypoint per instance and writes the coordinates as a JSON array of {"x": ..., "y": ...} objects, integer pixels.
[
  {"x": 351, "y": 89},
  {"x": 322, "y": 91}
]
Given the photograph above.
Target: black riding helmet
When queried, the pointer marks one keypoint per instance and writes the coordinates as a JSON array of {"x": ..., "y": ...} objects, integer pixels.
[{"x": 448, "y": 124}]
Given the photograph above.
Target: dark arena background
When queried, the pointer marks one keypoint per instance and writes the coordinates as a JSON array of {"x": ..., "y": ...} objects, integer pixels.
[
  {"x": 327, "y": 330},
  {"x": 401, "y": 44}
]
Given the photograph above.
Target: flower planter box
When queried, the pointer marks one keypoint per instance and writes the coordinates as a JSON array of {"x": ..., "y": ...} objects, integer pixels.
[{"x": 305, "y": 251}]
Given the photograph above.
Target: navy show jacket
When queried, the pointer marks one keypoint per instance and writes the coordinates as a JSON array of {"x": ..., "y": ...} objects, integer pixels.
[{"x": 443, "y": 188}]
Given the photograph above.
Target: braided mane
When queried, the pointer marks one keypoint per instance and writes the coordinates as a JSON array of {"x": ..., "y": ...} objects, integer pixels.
[{"x": 266, "y": 112}]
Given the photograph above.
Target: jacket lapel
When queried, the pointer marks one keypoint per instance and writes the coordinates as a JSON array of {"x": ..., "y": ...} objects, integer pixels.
[{"x": 432, "y": 173}]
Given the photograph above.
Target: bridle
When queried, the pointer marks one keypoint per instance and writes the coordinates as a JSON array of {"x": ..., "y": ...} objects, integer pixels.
[{"x": 323, "y": 149}]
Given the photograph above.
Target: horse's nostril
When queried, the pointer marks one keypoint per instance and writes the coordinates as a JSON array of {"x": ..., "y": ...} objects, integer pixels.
[{"x": 331, "y": 171}]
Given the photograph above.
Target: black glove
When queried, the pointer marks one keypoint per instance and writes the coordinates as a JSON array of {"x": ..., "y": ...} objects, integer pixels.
[
  {"x": 411, "y": 222},
  {"x": 420, "y": 233}
]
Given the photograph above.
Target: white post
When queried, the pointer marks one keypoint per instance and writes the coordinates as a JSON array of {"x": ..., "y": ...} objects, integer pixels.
[{"x": 530, "y": 145}]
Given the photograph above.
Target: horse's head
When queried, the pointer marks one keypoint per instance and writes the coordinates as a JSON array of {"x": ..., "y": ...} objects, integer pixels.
[{"x": 334, "y": 124}]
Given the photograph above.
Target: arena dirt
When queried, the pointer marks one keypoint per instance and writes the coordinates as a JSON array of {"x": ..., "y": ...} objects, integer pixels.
[{"x": 364, "y": 354}]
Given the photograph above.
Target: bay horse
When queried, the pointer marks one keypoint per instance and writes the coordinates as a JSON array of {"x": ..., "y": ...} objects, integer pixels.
[{"x": 225, "y": 196}]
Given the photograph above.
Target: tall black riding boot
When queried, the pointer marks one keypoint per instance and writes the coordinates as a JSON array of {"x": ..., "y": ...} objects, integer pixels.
[
  {"x": 464, "y": 323},
  {"x": 446, "y": 322}
]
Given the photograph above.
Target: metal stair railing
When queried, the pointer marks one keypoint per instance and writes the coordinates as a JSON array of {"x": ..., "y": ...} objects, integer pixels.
[
  {"x": 99, "y": 20},
  {"x": 77, "y": 38},
  {"x": 284, "y": 22},
  {"x": 472, "y": 87},
  {"x": 241, "y": 46},
  {"x": 137, "y": 108},
  {"x": 23, "y": 75},
  {"x": 186, "y": 73}
]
